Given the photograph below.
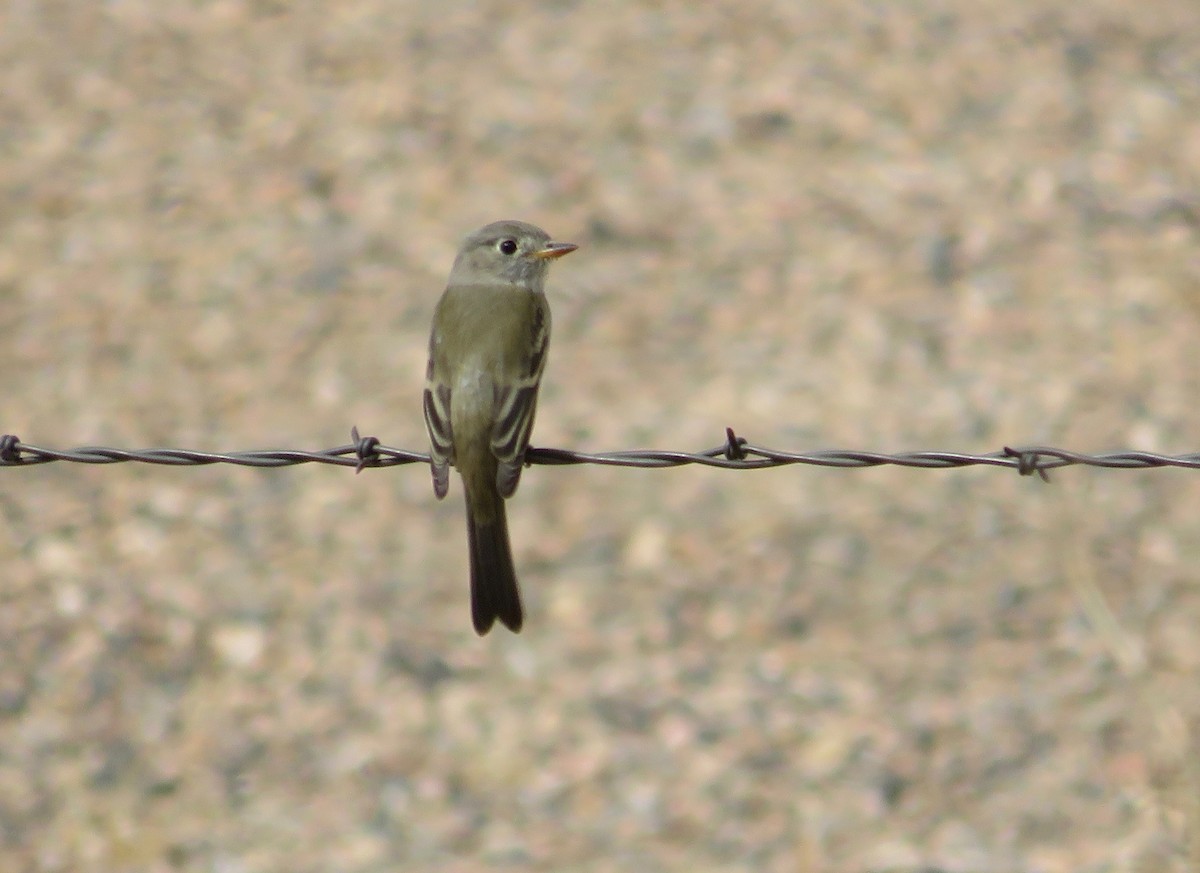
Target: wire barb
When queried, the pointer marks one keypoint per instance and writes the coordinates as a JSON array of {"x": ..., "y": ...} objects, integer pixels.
[
  {"x": 734, "y": 446},
  {"x": 9, "y": 453},
  {"x": 366, "y": 449},
  {"x": 736, "y": 453},
  {"x": 1028, "y": 463}
]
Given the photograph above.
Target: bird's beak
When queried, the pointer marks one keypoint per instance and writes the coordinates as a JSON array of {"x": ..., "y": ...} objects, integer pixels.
[{"x": 555, "y": 250}]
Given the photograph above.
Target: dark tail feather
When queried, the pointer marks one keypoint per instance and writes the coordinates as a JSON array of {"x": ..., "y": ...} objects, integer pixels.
[{"x": 494, "y": 593}]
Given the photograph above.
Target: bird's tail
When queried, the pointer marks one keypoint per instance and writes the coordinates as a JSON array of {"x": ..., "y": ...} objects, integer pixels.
[{"x": 494, "y": 592}]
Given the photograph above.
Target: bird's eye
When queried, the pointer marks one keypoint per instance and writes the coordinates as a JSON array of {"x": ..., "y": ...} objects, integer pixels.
[{"x": 508, "y": 246}]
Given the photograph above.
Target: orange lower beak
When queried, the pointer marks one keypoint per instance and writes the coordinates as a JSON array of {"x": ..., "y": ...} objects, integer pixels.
[{"x": 555, "y": 250}]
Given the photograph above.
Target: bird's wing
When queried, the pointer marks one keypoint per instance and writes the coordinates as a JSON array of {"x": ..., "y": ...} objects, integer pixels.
[
  {"x": 437, "y": 422},
  {"x": 516, "y": 404}
]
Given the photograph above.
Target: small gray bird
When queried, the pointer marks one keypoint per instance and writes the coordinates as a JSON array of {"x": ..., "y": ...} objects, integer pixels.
[{"x": 487, "y": 351}]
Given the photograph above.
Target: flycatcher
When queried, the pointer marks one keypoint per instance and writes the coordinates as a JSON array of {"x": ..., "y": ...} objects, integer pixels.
[{"x": 487, "y": 351}]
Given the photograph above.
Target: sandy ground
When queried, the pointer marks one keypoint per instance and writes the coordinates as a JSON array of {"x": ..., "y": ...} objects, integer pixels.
[{"x": 949, "y": 226}]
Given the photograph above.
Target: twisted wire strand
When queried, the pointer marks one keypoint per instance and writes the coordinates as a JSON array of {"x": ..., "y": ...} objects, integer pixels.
[{"x": 736, "y": 454}]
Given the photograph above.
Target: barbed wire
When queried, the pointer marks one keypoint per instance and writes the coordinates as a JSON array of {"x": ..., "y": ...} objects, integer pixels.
[{"x": 737, "y": 453}]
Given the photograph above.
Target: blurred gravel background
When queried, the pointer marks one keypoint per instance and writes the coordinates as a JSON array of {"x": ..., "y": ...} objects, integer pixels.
[{"x": 224, "y": 225}]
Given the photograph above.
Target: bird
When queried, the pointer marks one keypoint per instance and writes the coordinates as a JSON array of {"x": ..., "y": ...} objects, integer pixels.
[{"x": 487, "y": 352}]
